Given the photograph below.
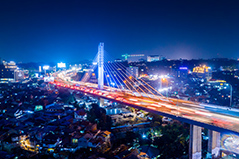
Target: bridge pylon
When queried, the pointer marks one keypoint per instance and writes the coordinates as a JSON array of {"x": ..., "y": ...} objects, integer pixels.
[{"x": 100, "y": 61}]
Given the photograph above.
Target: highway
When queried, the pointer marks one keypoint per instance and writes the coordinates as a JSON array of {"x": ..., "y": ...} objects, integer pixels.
[{"x": 210, "y": 115}]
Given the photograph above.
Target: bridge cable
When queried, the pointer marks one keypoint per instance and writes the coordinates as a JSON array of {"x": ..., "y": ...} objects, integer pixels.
[
  {"x": 110, "y": 76},
  {"x": 146, "y": 84},
  {"x": 139, "y": 81},
  {"x": 126, "y": 80},
  {"x": 117, "y": 78}
]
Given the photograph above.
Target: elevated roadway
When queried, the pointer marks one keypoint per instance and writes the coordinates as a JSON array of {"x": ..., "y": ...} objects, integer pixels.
[{"x": 213, "y": 117}]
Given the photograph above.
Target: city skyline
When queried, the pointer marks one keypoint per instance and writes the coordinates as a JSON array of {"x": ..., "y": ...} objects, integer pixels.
[{"x": 54, "y": 31}]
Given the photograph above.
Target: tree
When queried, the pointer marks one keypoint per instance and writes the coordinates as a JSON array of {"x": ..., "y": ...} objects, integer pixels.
[
  {"x": 173, "y": 143},
  {"x": 157, "y": 119},
  {"x": 66, "y": 96},
  {"x": 98, "y": 115}
]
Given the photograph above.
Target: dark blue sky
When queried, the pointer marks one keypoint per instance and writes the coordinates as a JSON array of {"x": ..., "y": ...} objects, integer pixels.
[{"x": 70, "y": 30}]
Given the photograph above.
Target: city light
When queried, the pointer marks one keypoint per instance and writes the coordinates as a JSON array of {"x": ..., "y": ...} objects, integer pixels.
[
  {"x": 113, "y": 84},
  {"x": 46, "y": 67},
  {"x": 164, "y": 89},
  {"x": 163, "y": 76},
  {"x": 61, "y": 65},
  {"x": 49, "y": 79},
  {"x": 230, "y": 142},
  {"x": 183, "y": 68},
  {"x": 201, "y": 69}
]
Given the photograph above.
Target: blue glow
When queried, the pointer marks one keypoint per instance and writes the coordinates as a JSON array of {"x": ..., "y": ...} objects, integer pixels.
[
  {"x": 230, "y": 142},
  {"x": 183, "y": 68}
]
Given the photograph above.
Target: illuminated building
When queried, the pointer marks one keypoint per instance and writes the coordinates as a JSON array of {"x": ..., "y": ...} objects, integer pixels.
[
  {"x": 134, "y": 57},
  {"x": 61, "y": 65},
  {"x": 132, "y": 71},
  {"x": 11, "y": 65},
  {"x": 229, "y": 145},
  {"x": 118, "y": 60},
  {"x": 39, "y": 68},
  {"x": 7, "y": 71},
  {"x": 153, "y": 58},
  {"x": 203, "y": 72},
  {"x": 19, "y": 75},
  {"x": 212, "y": 81},
  {"x": 182, "y": 72}
]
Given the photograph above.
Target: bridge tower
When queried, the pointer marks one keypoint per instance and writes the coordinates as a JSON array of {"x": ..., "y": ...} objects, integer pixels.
[{"x": 100, "y": 61}]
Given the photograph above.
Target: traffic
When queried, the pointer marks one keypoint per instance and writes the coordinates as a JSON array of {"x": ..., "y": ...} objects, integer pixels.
[{"x": 176, "y": 107}]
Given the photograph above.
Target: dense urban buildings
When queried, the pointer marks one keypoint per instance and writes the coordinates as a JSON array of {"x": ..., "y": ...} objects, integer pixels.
[
  {"x": 40, "y": 119},
  {"x": 163, "y": 83}
]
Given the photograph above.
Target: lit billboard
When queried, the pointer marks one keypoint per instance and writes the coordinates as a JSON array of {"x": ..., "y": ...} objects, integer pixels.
[{"x": 61, "y": 65}]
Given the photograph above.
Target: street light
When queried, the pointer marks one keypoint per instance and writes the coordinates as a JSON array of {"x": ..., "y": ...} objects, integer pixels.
[
  {"x": 143, "y": 136},
  {"x": 177, "y": 104},
  {"x": 230, "y": 95},
  {"x": 164, "y": 80}
]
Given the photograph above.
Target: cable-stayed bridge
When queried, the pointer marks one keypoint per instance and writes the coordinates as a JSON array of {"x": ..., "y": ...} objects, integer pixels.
[{"x": 119, "y": 84}]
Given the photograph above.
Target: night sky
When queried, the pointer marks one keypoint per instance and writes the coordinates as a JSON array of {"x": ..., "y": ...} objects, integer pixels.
[{"x": 70, "y": 30}]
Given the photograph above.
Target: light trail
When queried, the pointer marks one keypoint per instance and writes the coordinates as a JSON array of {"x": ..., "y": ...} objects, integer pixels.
[{"x": 184, "y": 109}]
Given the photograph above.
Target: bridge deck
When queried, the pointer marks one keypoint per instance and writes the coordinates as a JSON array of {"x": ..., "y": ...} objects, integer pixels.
[{"x": 209, "y": 116}]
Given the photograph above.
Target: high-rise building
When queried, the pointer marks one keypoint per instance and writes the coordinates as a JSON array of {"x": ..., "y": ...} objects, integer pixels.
[
  {"x": 132, "y": 71},
  {"x": 203, "y": 72},
  {"x": 182, "y": 72},
  {"x": 39, "y": 68},
  {"x": 152, "y": 58},
  {"x": 134, "y": 57},
  {"x": 7, "y": 71},
  {"x": 19, "y": 75}
]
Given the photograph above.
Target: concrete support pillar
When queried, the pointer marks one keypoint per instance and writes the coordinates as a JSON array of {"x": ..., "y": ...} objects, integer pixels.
[
  {"x": 213, "y": 144},
  {"x": 101, "y": 101},
  {"x": 195, "y": 142}
]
